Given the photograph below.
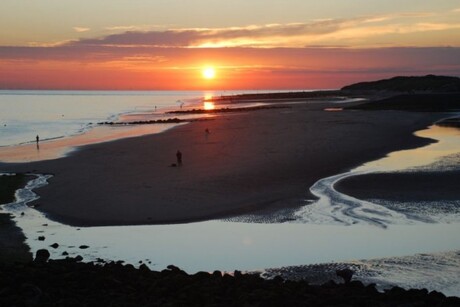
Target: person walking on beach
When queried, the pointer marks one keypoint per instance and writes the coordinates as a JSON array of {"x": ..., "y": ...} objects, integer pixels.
[
  {"x": 37, "y": 138},
  {"x": 206, "y": 133},
  {"x": 179, "y": 158}
]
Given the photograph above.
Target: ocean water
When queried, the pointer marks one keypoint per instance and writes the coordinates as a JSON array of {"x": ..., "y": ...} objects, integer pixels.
[{"x": 58, "y": 114}]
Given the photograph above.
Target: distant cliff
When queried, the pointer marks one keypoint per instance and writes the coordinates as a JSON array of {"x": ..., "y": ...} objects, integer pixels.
[{"x": 429, "y": 83}]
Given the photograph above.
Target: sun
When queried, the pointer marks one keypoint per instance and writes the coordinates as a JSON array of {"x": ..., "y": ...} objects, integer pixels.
[{"x": 209, "y": 73}]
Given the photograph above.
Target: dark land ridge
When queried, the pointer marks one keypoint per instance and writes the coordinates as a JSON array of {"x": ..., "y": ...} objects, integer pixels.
[
  {"x": 428, "y": 83},
  {"x": 69, "y": 282},
  {"x": 396, "y": 85},
  {"x": 294, "y": 95}
]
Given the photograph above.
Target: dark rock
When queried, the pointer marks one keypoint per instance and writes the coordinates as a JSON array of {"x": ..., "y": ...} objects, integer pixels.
[
  {"x": 65, "y": 253},
  {"x": 41, "y": 238},
  {"x": 346, "y": 274},
  {"x": 144, "y": 268},
  {"x": 78, "y": 258},
  {"x": 84, "y": 246},
  {"x": 217, "y": 274},
  {"x": 278, "y": 279},
  {"x": 68, "y": 282},
  {"x": 42, "y": 256},
  {"x": 173, "y": 268},
  {"x": 31, "y": 293},
  {"x": 54, "y": 245},
  {"x": 450, "y": 301}
]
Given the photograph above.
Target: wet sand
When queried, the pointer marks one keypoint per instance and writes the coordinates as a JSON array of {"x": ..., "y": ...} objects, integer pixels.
[
  {"x": 254, "y": 162},
  {"x": 404, "y": 186}
]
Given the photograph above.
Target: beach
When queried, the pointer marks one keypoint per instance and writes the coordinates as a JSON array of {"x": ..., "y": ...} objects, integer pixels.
[{"x": 255, "y": 162}]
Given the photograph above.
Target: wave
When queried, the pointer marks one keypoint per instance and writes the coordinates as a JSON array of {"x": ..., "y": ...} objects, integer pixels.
[{"x": 26, "y": 195}]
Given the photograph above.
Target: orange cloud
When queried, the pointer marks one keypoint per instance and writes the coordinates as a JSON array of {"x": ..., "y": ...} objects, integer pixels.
[
  {"x": 81, "y": 29},
  {"x": 325, "y": 32}
]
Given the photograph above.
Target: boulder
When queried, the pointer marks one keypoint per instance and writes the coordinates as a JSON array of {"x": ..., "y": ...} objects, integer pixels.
[
  {"x": 42, "y": 256},
  {"x": 346, "y": 274}
]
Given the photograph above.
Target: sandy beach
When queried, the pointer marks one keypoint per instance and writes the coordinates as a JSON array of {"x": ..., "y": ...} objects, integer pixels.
[{"x": 254, "y": 162}]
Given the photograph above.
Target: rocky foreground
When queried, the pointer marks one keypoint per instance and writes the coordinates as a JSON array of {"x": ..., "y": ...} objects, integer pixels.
[{"x": 70, "y": 282}]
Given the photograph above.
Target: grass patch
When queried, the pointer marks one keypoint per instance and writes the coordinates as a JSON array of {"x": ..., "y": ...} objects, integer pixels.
[{"x": 9, "y": 185}]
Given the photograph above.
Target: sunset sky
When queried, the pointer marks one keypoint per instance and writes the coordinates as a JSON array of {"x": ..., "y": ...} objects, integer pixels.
[{"x": 251, "y": 44}]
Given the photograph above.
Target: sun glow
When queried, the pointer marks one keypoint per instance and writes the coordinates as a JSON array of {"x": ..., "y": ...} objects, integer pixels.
[
  {"x": 209, "y": 73},
  {"x": 209, "y": 105}
]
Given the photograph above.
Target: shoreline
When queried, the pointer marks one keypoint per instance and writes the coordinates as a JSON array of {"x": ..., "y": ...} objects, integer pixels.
[{"x": 243, "y": 146}]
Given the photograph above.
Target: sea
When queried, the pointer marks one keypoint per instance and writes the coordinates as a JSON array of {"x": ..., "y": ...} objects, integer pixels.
[
  {"x": 58, "y": 114},
  {"x": 417, "y": 247}
]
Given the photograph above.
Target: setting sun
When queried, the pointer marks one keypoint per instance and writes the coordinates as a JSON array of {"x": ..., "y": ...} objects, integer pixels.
[
  {"x": 209, "y": 73},
  {"x": 209, "y": 105}
]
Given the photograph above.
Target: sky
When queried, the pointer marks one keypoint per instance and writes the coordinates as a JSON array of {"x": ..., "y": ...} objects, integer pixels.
[{"x": 251, "y": 44}]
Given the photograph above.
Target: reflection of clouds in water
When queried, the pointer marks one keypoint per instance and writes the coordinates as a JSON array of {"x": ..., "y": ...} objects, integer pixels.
[
  {"x": 447, "y": 143},
  {"x": 448, "y": 163}
]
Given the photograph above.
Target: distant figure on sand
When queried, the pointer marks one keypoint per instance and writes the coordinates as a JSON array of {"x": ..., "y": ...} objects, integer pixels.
[
  {"x": 206, "y": 133},
  {"x": 179, "y": 158},
  {"x": 37, "y": 139}
]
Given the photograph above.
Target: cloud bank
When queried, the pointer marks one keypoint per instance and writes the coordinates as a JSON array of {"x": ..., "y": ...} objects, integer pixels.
[{"x": 327, "y": 53}]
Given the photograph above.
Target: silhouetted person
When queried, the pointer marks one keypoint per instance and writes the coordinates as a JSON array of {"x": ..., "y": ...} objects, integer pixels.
[
  {"x": 179, "y": 158},
  {"x": 37, "y": 139},
  {"x": 206, "y": 133}
]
